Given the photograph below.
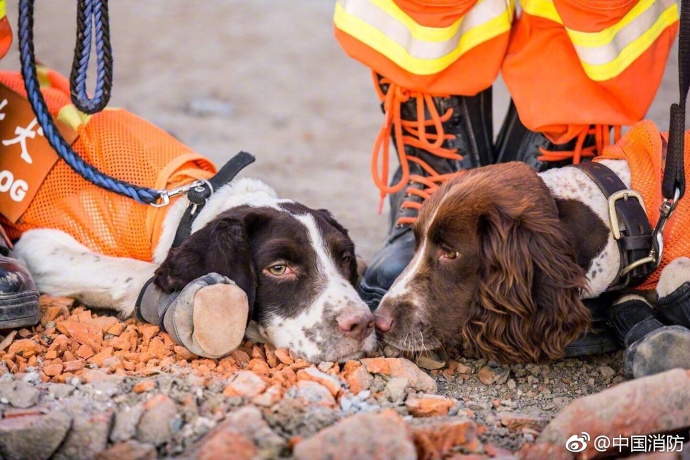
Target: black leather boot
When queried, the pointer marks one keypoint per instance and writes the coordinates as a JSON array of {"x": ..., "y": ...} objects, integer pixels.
[
  {"x": 18, "y": 294},
  {"x": 468, "y": 129},
  {"x": 517, "y": 143}
]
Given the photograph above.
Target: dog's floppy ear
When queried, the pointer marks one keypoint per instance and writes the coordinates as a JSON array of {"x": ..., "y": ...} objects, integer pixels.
[
  {"x": 528, "y": 303},
  {"x": 222, "y": 246}
]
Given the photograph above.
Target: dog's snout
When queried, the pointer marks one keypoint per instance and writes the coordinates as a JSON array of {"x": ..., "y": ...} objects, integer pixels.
[
  {"x": 383, "y": 320},
  {"x": 356, "y": 324}
]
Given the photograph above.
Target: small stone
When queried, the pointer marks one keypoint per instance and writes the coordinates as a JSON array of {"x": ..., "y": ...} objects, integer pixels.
[
  {"x": 19, "y": 393},
  {"x": 33, "y": 436},
  {"x": 269, "y": 397},
  {"x": 356, "y": 377},
  {"x": 429, "y": 363},
  {"x": 395, "y": 388},
  {"x": 312, "y": 393},
  {"x": 126, "y": 421},
  {"x": 490, "y": 375},
  {"x": 516, "y": 421},
  {"x": 183, "y": 353},
  {"x": 390, "y": 352},
  {"x": 245, "y": 384},
  {"x": 144, "y": 386},
  {"x": 155, "y": 426},
  {"x": 60, "y": 390},
  {"x": 511, "y": 384},
  {"x": 130, "y": 450},
  {"x": 462, "y": 369},
  {"x": 400, "y": 367},
  {"x": 428, "y": 405},
  {"x": 333, "y": 384},
  {"x": 364, "y": 435},
  {"x": 87, "y": 436},
  {"x": 607, "y": 372},
  {"x": 245, "y": 434},
  {"x": 438, "y": 437}
]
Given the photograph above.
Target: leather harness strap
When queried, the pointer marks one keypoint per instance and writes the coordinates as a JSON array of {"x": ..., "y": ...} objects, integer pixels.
[
  {"x": 629, "y": 225},
  {"x": 198, "y": 195}
]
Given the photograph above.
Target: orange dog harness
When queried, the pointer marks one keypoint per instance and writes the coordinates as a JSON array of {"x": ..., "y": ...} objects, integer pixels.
[
  {"x": 644, "y": 148},
  {"x": 121, "y": 145}
]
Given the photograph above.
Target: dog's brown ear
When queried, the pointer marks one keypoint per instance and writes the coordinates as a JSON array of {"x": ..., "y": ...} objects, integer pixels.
[
  {"x": 222, "y": 246},
  {"x": 528, "y": 303}
]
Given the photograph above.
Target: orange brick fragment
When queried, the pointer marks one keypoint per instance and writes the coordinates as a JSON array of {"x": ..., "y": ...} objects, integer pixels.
[
  {"x": 73, "y": 366},
  {"x": 24, "y": 347},
  {"x": 52, "y": 369},
  {"x": 143, "y": 386},
  {"x": 85, "y": 352},
  {"x": 98, "y": 358},
  {"x": 283, "y": 356},
  {"x": 116, "y": 329}
]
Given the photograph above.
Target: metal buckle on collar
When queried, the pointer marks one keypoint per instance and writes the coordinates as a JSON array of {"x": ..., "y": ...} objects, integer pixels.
[
  {"x": 165, "y": 195},
  {"x": 616, "y": 231}
]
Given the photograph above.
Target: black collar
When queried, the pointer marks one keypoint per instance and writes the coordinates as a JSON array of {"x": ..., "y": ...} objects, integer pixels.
[
  {"x": 634, "y": 236},
  {"x": 199, "y": 195}
]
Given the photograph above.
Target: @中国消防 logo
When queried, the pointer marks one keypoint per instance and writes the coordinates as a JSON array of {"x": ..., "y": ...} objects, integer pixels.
[
  {"x": 577, "y": 443},
  {"x": 657, "y": 442}
]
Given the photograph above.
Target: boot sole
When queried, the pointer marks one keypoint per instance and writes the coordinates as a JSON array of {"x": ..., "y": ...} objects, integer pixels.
[{"x": 19, "y": 309}]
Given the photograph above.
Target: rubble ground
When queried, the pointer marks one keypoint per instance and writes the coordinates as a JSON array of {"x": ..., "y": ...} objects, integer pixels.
[{"x": 89, "y": 384}]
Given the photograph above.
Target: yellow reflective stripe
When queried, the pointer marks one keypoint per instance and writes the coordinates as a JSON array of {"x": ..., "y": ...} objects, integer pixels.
[
  {"x": 72, "y": 117},
  {"x": 607, "y": 53},
  {"x": 628, "y": 54},
  {"x": 3, "y": 8},
  {"x": 384, "y": 32},
  {"x": 639, "y": 19},
  {"x": 418, "y": 31},
  {"x": 542, "y": 8},
  {"x": 43, "y": 78}
]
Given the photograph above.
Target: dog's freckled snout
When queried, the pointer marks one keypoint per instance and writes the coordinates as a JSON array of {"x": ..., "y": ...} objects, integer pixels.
[
  {"x": 383, "y": 321},
  {"x": 356, "y": 324}
]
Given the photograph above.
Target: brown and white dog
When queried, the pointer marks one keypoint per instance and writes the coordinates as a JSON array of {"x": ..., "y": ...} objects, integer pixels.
[
  {"x": 297, "y": 266},
  {"x": 504, "y": 256}
]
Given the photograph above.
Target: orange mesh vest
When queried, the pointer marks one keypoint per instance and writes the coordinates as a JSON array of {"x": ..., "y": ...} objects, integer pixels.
[
  {"x": 643, "y": 148},
  {"x": 121, "y": 145}
]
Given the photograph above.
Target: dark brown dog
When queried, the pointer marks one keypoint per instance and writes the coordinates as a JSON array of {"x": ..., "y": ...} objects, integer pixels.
[{"x": 495, "y": 267}]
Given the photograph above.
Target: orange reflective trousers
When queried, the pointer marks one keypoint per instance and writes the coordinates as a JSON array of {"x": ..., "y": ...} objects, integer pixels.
[{"x": 567, "y": 63}]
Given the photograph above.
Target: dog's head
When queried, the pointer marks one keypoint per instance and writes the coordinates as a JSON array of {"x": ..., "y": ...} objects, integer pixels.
[
  {"x": 297, "y": 266},
  {"x": 493, "y": 267}
]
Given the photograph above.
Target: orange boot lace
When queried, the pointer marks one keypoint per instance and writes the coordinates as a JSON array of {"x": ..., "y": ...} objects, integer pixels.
[
  {"x": 602, "y": 136},
  {"x": 413, "y": 133}
]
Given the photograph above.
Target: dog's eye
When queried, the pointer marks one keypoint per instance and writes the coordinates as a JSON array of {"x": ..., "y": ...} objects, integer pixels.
[
  {"x": 449, "y": 254},
  {"x": 278, "y": 269},
  {"x": 346, "y": 258}
]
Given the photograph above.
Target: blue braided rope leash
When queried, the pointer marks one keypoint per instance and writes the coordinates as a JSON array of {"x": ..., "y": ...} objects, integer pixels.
[
  {"x": 92, "y": 14},
  {"x": 28, "y": 66}
]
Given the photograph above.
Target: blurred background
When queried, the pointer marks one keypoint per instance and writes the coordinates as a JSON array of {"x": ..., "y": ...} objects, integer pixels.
[{"x": 267, "y": 77}]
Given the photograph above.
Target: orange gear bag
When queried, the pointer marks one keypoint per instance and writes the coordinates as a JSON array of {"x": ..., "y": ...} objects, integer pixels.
[
  {"x": 121, "y": 145},
  {"x": 644, "y": 148}
]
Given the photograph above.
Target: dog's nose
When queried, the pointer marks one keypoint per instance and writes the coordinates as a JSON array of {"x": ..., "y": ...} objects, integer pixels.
[
  {"x": 356, "y": 324},
  {"x": 383, "y": 321}
]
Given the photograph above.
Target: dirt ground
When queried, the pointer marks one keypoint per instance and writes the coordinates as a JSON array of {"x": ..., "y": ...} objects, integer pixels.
[{"x": 262, "y": 76}]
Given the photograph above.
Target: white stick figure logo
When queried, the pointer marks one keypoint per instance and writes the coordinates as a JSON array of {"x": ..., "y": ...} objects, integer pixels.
[
  {"x": 577, "y": 443},
  {"x": 22, "y": 134}
]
